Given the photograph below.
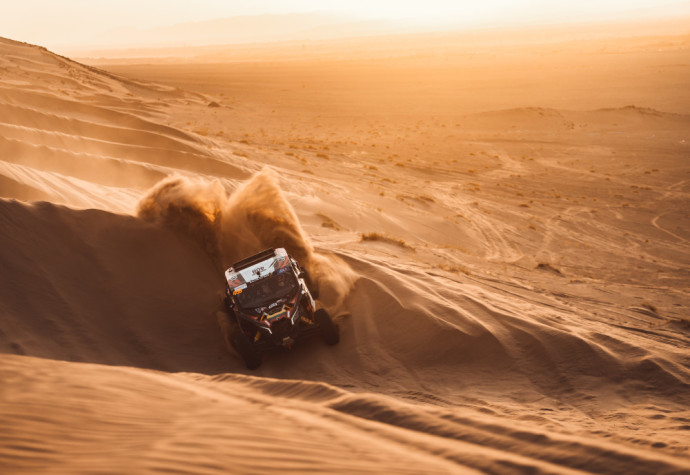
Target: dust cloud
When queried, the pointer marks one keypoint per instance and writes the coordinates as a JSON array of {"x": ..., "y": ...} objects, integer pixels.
[{"x": 254, "y": 217}]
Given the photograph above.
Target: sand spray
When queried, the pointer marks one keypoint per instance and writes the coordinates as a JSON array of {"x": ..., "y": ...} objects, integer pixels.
[{"x": 254, "y": 217}]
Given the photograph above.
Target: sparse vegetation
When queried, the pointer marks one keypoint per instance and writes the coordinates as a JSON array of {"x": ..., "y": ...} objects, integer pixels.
[
  {"x": 683, "y": 323},
  {"x": 549, "y": 268},
  {"x": 455, "y": 269},
  {"x": 328, "y": 222},
  {"x": 386, "y": 239}
]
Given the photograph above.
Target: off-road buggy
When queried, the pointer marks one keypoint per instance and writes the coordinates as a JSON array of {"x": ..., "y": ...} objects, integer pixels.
[{"x": 271, "y": 300}]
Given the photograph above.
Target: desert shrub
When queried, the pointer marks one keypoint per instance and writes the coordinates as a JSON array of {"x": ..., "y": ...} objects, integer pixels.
[
  {"x": 455, "y": 269},
  {"x": 549, "y": 268},
  {"x": 328, "y": 222},
  {"x": 384, "y": 238}
]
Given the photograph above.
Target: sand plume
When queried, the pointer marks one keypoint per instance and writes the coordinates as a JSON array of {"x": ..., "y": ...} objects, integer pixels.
[
  {"x": 258, "y": 216},
  {"x": 254, "y": 217},
  {"x": 192, "y": 207}
]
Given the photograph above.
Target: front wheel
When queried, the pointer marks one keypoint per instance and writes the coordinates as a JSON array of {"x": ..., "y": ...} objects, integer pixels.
[
  {"x": 252, "y": 358},
  {"x": 329, "y": 330}
]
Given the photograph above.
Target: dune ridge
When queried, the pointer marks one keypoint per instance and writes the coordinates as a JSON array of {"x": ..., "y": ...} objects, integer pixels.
[{"x": 74, "y": 120}]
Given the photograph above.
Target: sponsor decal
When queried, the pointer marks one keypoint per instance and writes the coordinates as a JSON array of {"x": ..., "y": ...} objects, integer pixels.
[{"x": 234, "y": 279}]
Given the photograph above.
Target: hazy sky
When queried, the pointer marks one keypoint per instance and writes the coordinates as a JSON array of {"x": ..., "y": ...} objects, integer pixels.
[{"x": 56, "y": 23}]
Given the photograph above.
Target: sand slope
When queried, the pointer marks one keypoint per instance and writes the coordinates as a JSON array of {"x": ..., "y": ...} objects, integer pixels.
[
  {"x": 66, "y": 125},
  {"x": 517, "y": 306}
]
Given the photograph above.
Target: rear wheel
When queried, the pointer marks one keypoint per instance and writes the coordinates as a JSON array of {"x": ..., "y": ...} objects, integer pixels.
[
  {"x": 243, "y": 345},
  {"x": 329, "y": 330}
]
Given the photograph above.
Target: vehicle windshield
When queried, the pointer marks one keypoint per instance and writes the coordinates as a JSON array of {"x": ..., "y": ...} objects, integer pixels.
[{"x": 268, "y": 290}]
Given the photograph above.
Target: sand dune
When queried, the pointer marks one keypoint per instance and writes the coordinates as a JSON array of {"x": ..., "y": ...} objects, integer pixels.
[
  {"x": 511, "y": 284},
  {"x": 77, "y": 121}
]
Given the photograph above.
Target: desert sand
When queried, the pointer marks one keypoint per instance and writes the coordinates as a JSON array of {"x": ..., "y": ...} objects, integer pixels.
[{"x": 500, "y": 225}]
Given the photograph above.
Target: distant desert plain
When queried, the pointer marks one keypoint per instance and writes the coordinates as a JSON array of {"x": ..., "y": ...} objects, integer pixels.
[{"x": 499, "y": 222}]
